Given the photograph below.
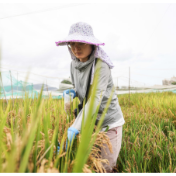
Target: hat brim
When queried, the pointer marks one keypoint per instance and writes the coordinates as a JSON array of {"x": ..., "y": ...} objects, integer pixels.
[{"x": 79, "y": 38}]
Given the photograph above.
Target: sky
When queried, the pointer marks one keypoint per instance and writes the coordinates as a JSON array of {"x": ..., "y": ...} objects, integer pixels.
[{"x": 139, "y": 38}]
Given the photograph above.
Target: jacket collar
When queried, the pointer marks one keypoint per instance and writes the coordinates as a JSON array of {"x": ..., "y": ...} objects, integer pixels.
[{"x": 83, "y": 65}]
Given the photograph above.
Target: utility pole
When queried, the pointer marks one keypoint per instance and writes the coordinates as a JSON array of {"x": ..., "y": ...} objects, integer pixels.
[
  {"x": 1, "y": 75},
  {"x": 117, "y": 85},
  {"x": 129, "y": 86}
]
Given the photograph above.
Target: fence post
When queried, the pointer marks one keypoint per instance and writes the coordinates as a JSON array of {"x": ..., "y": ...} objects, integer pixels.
[
  {"x": 47, "y": 89},
  {"x": 11, "y": 86},
  {"x": 11, "y": 82},
  {"x": 3, "y": 87}
]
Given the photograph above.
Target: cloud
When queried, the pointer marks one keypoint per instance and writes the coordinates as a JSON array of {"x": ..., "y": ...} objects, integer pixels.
[
  {"x": 113, "y": 48},
  {"x": 30, "y": 40}
]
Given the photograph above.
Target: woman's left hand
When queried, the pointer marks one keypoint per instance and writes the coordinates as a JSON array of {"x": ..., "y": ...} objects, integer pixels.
[{"x": 71, "y": 134}]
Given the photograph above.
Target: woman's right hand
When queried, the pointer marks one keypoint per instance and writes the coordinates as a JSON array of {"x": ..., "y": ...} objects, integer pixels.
[{"x": 71, "y": 91}]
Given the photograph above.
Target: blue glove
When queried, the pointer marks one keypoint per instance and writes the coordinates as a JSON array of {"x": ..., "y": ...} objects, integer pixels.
[
  {"x": 71, "y": 91},
  {"x": 71, "y": 134},
  {"x": 58, "y": 148}
]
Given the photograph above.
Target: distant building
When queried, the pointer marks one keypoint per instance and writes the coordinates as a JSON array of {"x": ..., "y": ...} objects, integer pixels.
[
  {"x": 169, "y": 82},
  {"x": 173, "y": 79},
  {"x": 124, "y": 87}
]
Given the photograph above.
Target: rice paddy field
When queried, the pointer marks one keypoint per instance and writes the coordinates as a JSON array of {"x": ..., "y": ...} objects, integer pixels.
[{"x": 30, "y": 130}]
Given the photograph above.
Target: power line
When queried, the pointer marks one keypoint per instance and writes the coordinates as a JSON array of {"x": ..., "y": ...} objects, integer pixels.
[
  {"x": 47, "y": 76},
  {"x": 120, "y": 75},
  {"x": 144, "y": 69},
  {"x": 156, "y": 26},
  {"x": 148, "y": 75},
  {"x": 115, "y": 70},
  {"x": 31, "y": 79},
  {"x": 9, "y": 66},
  {"x": 34, "y": 74},
  {"x": 132, "y": 80},
  {"x": 64, "y": 78},
  {"x": 154, "y": 68},
  {"x": 72, "y": 5}
]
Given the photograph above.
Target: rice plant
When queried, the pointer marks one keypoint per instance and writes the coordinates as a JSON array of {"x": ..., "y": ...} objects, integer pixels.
[
  {"x": 149, "y": 134},
  {"x": 30, "y": 130}
]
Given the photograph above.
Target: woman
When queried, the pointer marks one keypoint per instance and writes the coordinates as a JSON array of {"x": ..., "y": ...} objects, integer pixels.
[{"x": 87, "y": 59}]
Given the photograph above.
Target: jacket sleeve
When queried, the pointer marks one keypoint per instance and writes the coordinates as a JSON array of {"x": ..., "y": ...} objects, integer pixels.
[
  {"x": 102, "y": 71},
  {"x": 72, "y": 79}
]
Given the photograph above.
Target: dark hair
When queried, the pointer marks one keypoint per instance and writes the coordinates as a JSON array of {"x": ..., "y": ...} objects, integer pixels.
[{"x": 93, "y": 47}]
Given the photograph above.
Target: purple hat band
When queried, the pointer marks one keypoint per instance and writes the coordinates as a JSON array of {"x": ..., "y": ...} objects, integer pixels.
[{"x": 82, "y": 41}]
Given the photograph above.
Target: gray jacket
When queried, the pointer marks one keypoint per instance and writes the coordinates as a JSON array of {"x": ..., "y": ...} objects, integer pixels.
[{"x": 79, "y": 76}]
